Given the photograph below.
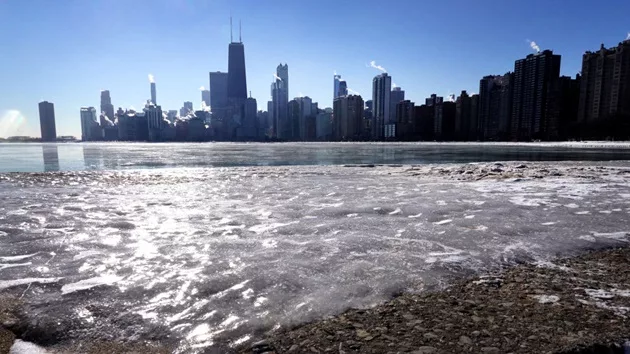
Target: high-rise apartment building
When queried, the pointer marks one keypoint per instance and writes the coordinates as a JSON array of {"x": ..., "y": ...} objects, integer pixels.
[
  {"x": 381, "y": 98},
  {"x": 562, "y": 109},
  {"x": 495, "y": 111},
  {"x": 462, "y": 116},
  {"x": 405, "y": 120},
  {"x": 106, "y": 104},
  {"x": 88, "y": 123},
  {"x": 532, "y": 78},
  {"x": 348, "y": 117},
  {"x": 605, "y": 84},
  {"x": 47, "y": 121}
]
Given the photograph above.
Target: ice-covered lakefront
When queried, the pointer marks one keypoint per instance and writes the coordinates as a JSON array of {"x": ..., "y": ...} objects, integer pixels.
[{"x": 205, "y": 259}]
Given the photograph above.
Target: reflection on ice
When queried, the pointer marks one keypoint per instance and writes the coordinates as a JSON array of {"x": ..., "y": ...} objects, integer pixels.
[{"x": 217, "y": 256}]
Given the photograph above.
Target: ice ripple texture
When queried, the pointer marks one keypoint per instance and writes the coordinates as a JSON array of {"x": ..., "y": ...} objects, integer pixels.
[{"x": 213, "y": 257}]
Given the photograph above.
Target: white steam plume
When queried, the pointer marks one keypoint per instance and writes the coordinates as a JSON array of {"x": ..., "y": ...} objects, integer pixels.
[
  {"x": 377, "y": 67},
  {"x": 533, "y": 45},
  {"x": 394, "y": 85},
  {"x": 352, "y": 91},
  {"x": 151, "y": 79},
  {"x": 277, "y": 77},
  {"x": 205, "y": 107},
  {"x": 628, "y": 36},
  {"x": 202, "y": 88}
]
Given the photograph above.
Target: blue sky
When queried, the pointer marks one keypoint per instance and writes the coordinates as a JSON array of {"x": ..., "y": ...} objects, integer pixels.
[{"x": 66, "y": 51}]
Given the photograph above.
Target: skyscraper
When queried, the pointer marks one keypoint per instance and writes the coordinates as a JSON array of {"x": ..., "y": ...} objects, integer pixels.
[
  {"x": 336, "y": 81},
  {"x": 237, "y": 80},
  {"x": 153, "y": 93},
  {"x": 218, "y": 94},
  {"x": 280, "y": 98},
  {"x": 155, "y": 121},
  {"x": 381, "y": 98},
  {"x": 462, "y": 116},
  {"x": 47, "y": 121},
  {"x": 249, "y": 124},
  {"x": 205, "y": 97},
  {"x": 88, "y": 121},
  {"x": 495, "y": 111},
  {"x": 605, "y": 84},
  {"x": 348, "y": 117},
  {"x": 397, "y": 95},
  {"x": 532, "y": 78},
  {"x": 106, "y": 104},
  {"x": 305, "y": 113}
]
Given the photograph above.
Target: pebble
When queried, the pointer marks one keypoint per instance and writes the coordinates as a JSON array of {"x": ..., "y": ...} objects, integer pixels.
[
  {"x": 465, "y": 340},
  {"x": 425, "y": 350}
]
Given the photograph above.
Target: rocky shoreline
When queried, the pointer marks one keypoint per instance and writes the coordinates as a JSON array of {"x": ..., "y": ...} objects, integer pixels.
[{"x": 574, "y": 305}]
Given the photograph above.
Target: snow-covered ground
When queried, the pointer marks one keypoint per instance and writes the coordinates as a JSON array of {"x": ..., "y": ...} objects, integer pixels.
[{"x": 216, "y": 256}]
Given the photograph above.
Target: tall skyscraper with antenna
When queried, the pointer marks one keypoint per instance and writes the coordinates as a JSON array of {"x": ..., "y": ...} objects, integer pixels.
[{"x": 237, "y": 80}]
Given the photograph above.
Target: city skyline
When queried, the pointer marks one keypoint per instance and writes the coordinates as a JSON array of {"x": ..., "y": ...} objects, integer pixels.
[{"x": 311, "y": 71}]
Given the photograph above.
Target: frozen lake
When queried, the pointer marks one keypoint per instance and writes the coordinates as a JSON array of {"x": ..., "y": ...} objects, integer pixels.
[
  {"x": 205, "y": 258},
  {"x": 106, "y": 156}
]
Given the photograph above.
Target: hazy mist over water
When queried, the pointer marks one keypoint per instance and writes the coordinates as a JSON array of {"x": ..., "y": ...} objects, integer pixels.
[{"x": 33, "y": 157}]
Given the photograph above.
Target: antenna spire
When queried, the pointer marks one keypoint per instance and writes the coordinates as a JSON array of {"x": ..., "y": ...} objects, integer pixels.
[
  {"x": 239, "y": 31},
  {"x": 231, "y": 40}
]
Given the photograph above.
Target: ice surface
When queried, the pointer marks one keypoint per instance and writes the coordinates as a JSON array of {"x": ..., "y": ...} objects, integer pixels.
[{"x": 219, "y": 255}]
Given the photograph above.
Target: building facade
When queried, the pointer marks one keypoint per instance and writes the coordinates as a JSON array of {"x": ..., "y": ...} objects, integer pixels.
[
  {"x": 532, "y": 78},
  {"x": 47, "y": 125},
  {"x": 381, "y": 98},
  {"x": 605, "y": 86},
  {"x": 106, "y": 104},
  {"x": 495, "y": 110},
  {"x": 88, "y": 123},
  {"x": 348, "y": 117}
]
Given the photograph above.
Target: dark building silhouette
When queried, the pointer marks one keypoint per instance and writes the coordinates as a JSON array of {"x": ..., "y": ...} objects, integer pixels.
[
  {"x": 424, "y": 118},
  {"x": 444, "y": 124},
  {"x": 474, "y": 118},
  {"x": 218, "y": 94},
  {"x": 495, "y": 107},
  {"x": 562, "y": 109},
  {"x": 348, "y": 117},
  {"x": 291, "y": 127},
  {"x": 47, "y": 121},
  {"x": 532, "y": 78},
  {"x": 397, "y": 95},
  {"x": 237, "y": 80},
  {"x": 249, "y": 123},
  {"x": 463, "y": 106},
  {"x": 604, "y": 103},
  {"x": 405, "y": 120},
  {"x": 106, "y": 104}
]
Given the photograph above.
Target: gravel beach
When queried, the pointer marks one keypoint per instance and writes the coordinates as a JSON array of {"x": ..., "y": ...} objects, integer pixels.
[{"x": 574, "y": 305}]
